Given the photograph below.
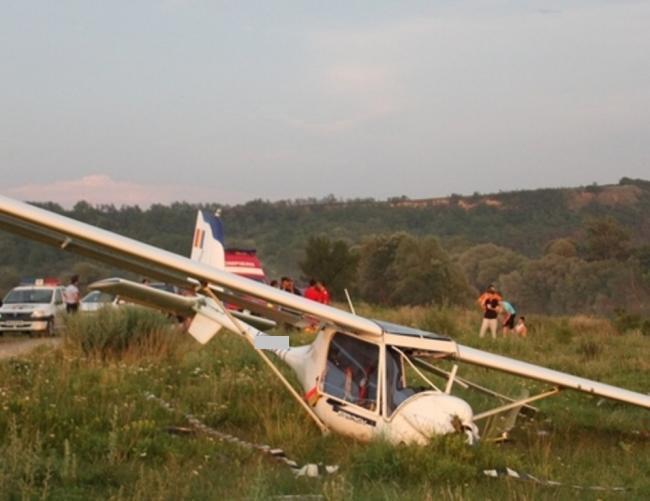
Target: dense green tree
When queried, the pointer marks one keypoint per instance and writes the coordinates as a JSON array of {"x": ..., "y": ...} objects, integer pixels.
[
  {"x": 559, "y": 285},
  {"x": 564, "y": 247},
  {"x": 606, "y": 239},
  {"x": 401, "y": 269},
  {"x": 332, "y": 262},
  {"x": 425, "y": 274},
  {"x": 484, "y": 264},
  {"x": 377, "y": 275}
]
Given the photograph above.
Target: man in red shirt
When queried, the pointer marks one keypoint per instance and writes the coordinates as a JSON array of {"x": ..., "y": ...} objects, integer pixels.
[
  {"x": 313, "y": 292},
  {"x": 324, "y": 293}
]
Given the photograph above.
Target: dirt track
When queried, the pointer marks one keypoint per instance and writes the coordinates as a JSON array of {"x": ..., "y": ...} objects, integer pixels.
[{"x": 16, "y": 346}]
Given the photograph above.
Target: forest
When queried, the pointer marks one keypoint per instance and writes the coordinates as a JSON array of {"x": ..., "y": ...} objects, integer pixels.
[{"x": 554, "y": 251}]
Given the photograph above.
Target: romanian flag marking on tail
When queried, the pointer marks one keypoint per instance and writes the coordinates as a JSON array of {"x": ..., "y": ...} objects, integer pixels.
[
  {"x": 312, "y": 396},
  {"x": 199, "y": 238}
]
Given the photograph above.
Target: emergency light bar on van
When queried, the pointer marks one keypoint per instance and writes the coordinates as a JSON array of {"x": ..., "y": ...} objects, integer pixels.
[{"x": 40, "y": 281}]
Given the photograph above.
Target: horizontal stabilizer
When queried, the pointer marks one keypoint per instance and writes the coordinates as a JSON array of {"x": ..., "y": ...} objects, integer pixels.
[
  {"x": 168, "y": 301},
  {"x": 560, "y": 379},
  {"x": 146, "y": 295}
]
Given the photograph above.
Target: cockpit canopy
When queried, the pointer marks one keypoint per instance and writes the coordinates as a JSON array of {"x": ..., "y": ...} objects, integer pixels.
[{"x": 353, "y": 374}]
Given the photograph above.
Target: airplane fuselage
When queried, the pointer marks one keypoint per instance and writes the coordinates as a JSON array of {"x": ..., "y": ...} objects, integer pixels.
[{"x": 366, "y": 404}]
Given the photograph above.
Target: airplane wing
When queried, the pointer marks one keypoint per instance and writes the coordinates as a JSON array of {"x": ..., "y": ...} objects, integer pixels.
[
  {"x": 151, "y": 297},
  {"x": 557, "y": 378}
]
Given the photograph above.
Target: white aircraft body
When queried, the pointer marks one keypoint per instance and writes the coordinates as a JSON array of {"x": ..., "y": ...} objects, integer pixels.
[{"x": 353, "y": 375}]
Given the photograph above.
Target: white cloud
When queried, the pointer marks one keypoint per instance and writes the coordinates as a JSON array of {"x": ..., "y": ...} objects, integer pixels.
[{"x": 102, "y": 189}]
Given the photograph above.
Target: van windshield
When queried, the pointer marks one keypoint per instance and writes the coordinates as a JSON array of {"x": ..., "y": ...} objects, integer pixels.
[{"x": 28, "y": 296}]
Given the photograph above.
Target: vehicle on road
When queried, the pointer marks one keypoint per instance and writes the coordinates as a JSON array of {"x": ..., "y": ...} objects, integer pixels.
[
  {"x": 95, "y": 300},
  {"x": 32, "y": 309}
]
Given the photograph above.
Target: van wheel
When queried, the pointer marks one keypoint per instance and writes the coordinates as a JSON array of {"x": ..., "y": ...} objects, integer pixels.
[{"x": 49, "y": 329}]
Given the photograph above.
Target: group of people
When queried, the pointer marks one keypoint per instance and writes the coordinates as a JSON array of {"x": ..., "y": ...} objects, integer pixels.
[
  {"x": 316, "y": 291},
  {"x": 494, "y": 307}
]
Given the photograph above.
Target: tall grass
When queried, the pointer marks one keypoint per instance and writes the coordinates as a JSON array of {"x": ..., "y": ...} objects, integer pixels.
[
  {"x": 75, "y": 423},
  {"x": 113, "y": 333}
]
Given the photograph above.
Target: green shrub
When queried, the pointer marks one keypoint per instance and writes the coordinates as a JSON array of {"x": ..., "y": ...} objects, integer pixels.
[{"x": 116, "y": 332}]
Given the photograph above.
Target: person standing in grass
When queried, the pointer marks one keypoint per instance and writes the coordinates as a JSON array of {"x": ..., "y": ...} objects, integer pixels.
[
  {"x": 489, "y": 302},
  {"x": 71, "y": 295},
  {"x": 509, "y": 314}
]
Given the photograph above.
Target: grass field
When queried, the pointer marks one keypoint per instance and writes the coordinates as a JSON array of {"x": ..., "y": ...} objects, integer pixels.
[{"x": 75, "y": 422}]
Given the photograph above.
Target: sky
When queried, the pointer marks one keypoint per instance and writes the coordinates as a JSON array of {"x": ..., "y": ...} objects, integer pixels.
[{"x": 137, "y": 102}]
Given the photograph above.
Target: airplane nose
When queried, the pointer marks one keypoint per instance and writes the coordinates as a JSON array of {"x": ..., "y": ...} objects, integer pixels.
[{"x": 427, "y": 414}]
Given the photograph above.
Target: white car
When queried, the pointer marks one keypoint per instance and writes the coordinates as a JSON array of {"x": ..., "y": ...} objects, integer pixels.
[
  {"x": 95, "y": 300},
  {"x": 32, "y": 309}
]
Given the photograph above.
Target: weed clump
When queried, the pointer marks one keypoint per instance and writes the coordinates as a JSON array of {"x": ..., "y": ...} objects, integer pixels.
[{"x": 115, "y": 333}]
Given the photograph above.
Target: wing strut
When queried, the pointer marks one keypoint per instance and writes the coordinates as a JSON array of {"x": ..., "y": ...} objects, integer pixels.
[
  {"x": 466, "y": 383},
  {"x": 518, "y": 403},
  {"x": 321, "y": 425}
]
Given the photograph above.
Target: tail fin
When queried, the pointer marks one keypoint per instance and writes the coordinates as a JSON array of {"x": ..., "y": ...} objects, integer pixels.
[{"x": 207, "y": 246}]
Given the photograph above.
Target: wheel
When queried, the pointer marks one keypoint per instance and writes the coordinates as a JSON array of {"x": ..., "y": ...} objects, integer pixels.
[{"x": 49, "y": 329}]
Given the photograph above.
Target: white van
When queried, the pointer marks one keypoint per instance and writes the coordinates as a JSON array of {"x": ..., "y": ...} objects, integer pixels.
[{"x": 31, "y": 309}]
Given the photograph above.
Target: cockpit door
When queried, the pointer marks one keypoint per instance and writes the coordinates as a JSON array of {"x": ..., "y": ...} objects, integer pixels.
[
  {"x": 352, "y": 372},
  {"x": 395, "y": 389}
]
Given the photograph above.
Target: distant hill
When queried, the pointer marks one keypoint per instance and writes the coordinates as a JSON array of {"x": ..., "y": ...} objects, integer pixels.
[{"x": 524, "y": 221}]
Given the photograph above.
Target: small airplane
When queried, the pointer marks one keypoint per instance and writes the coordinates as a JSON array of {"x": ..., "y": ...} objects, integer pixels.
[{"x": 356, "y": 376}]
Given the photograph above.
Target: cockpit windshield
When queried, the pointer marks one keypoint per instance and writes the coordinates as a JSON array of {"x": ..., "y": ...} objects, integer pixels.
[{"x": 352, "y": 371}]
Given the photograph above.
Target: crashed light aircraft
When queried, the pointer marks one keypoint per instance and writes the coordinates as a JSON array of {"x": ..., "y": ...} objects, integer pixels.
[{"x": 353, "y": 375}]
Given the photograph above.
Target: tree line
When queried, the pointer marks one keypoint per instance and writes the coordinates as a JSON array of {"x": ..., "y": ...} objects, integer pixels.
[
  {"x": 550, "y": 250},
  {"x": 601, "y": 274}
]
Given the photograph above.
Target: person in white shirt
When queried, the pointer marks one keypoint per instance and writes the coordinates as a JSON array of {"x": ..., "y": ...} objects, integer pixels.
[{"x": 71, "y": 295}]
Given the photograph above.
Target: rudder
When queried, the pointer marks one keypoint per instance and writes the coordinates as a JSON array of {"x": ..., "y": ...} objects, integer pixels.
[{"x": 207, "y": 245}]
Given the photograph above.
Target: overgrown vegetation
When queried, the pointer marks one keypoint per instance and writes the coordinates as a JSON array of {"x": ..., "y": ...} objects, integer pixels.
[
  {"x": 113, "y": 333},
  {"x": 75, "y": 422}
]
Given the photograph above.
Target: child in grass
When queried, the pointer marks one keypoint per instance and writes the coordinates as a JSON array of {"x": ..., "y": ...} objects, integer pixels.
[{"x": 520, "y": 329}]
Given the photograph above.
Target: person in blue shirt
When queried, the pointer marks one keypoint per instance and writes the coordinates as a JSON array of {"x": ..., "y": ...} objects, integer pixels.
[{"x": 509, "y": 313}]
